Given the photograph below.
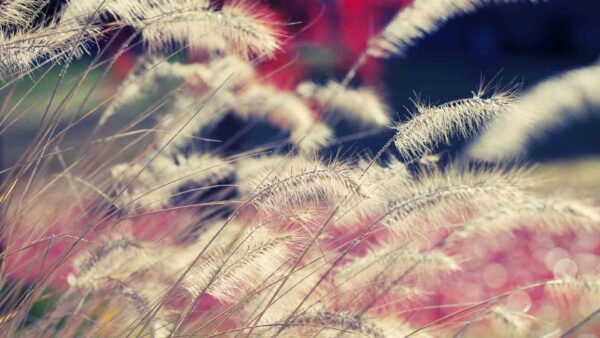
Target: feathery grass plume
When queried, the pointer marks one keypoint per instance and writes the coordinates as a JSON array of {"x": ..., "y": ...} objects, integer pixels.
[
  {"x": 299, "y": 284},
  {"x": 317, "y": 136},
  {"x": 253, "y": 172},
  {"x": 256, "y": 173},
  {"x": 393, "y": 172},
  {"x": 549, "y": 215},
  {"x": 18, "y": 12},
  {"x": 185, "y": 250},
  {"x": 362, "y": 105},
  {"x": 230, "y": 273},
  {"x": 225, "y": 74},
  {"x": 570, "y": 284},
  {"x": 141, "y": 79},
  {"x": 236, "y": 27},
  {"x": 418, "y": 19},
  {"x": 512, "y": 323},
  {"x": 128, "y": 11},
  {"x": 301, "y": 183},
  {"x": 565, "y": 289},
  {"x": 437, "y": 124},
  {"x": 214, "y": 93},
  {"x": 436, "y": 194},
  {"x": 135, "y": 296},
  {"x": 249, "y": 29},
  {"x": 145, "y": 78},
  {"x": 250, "y": 170},
  {"x": 577, "y": 177},
  {"x": 390, "y": 261},
  {"x": 112, "y": 258},
  {"x": 58, "y": 40},
  {"x": 284, "y": 110},
  {"x": 188, "y": 115},
  {"x": 303, "y": 209},
  {"x": 135, "y": 299},
  {"x": 122, "y": 303},
  {"x": 155, "y": 185},
  {"x": 550, "y": 104},
  {"x": 211, "y": 93},
  {"x": 324, "y": 323}
]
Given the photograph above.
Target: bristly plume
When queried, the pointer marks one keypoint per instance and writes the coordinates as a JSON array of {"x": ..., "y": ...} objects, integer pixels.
[
  {"x": 221, "y": 75},
  {"x": 437, "y": 124},
  {"x": 390, "y": 261},
  {"x": 301, "y": 183},
  {"x": 136, "y": 297},
  {"x": 236, "y": 27},
  {"x": 435, "y": 194},
  {"x": 551, "y": 215},
  {"x": 229, "y": 72},
  {"x": 229, "y": 273},
  {"x": 154, "y": 186},
  {"x": 250, "y": 171},
  {"x": 18, "y": 12},
  {"x": 324, "y": 323},
  {"x": 212, "y": 94},
  {"x": 393, "y": 172},
  {"x": 300, "y": 189},
  {"x": 145, "y": 78},
  {"x": 112, "y": 258},
  {"x": 513, "y": 323},
  {"x": 188, "y": 115},
  {"x": 362, "y": 105},
  {"x": 564, "y": 289},
  {"x": 418, "y": 19},
  {"x": 129, "y": 12},
  {"x": 58, "y": 40},
  {"x": 550, "y": 104},
  {"x": 287, "y": 111}
]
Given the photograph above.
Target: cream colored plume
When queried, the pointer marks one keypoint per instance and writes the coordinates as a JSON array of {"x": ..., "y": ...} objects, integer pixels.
[
  {"x": 154, "y": 186},
  {"x": 59, "y": 40},
  {"x": 434, "y": 195},
  {"x": 299, "y": 183},
  {"x": 230, "y": 272},
  {"x": 362, "y": 105},
  {"x": 550, "y": 215},
  {"x": 287, "y": 111},
  {"x": 548, "y": 105},
  {"x": 18, "y": 12},
  {"x": 391, "y": 261},
  {"x": 432, "y": 125},
  {"x": 165, "y": 24}
]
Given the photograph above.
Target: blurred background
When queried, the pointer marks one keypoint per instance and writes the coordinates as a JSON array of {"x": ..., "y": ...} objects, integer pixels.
[{"x": 517, "y": 43}]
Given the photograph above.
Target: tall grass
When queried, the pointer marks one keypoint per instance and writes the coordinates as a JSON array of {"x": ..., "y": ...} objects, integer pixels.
[{"x": 161, "y": 221}]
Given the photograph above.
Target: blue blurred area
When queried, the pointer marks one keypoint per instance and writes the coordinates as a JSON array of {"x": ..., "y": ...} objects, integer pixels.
[{"x": 518, "y": 42}]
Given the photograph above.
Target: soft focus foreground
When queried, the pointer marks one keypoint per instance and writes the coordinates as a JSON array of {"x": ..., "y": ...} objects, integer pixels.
[{"x": 208, "y": 192}]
